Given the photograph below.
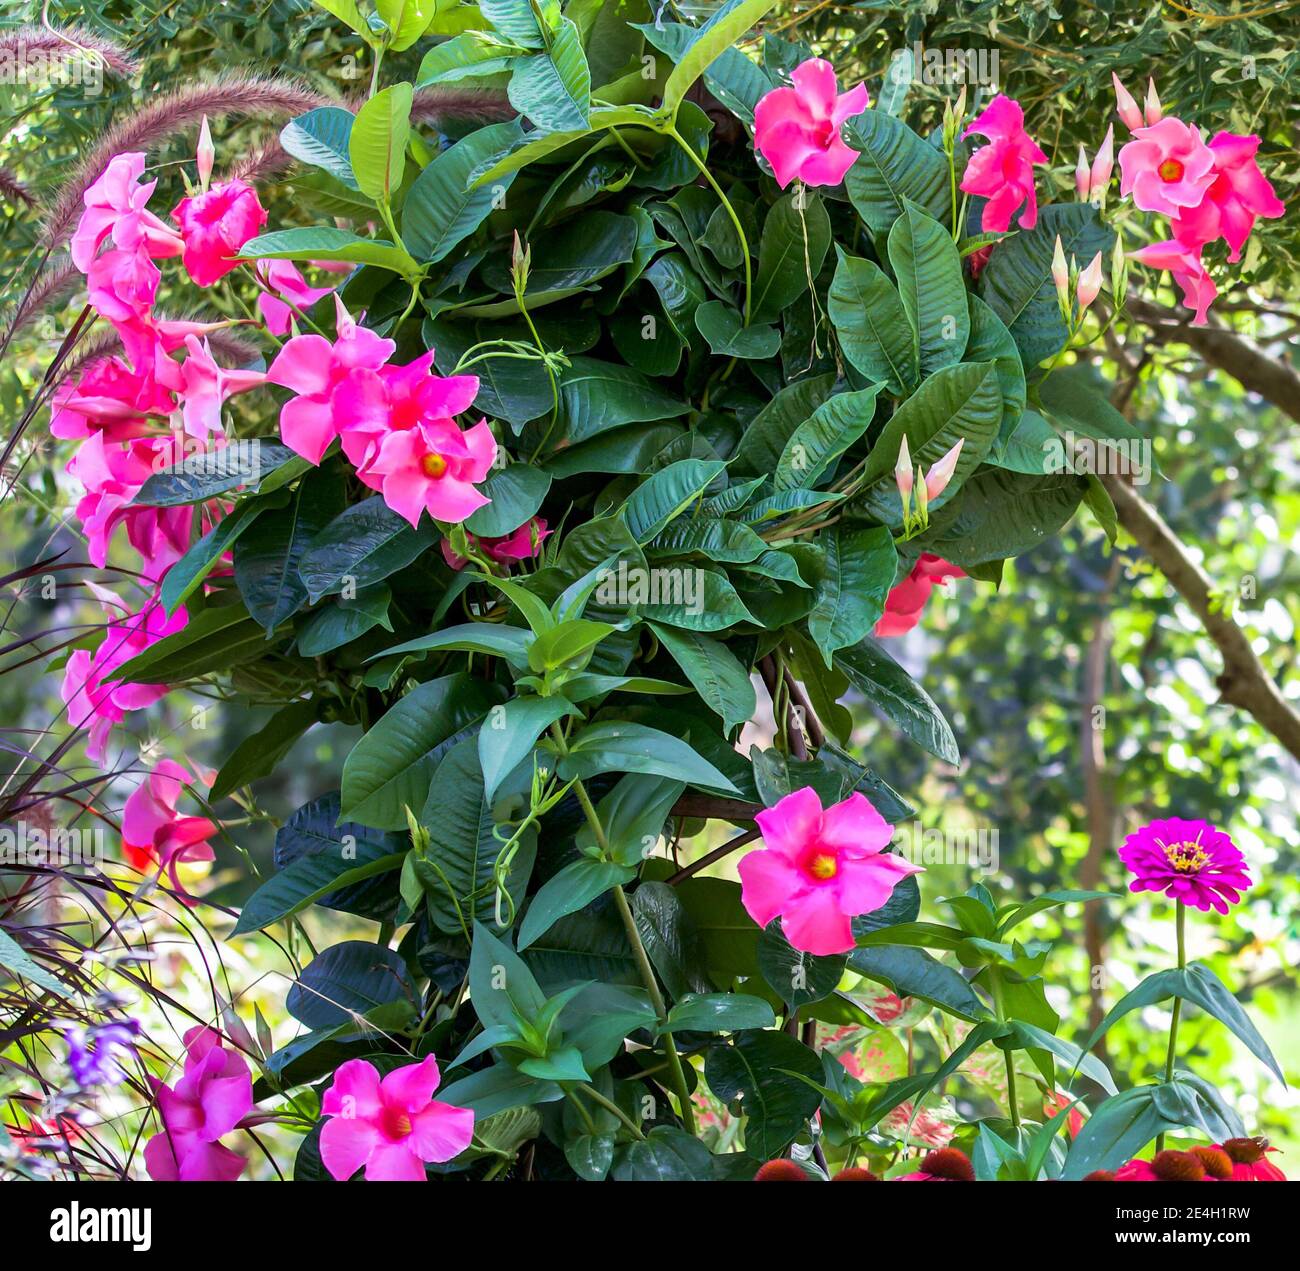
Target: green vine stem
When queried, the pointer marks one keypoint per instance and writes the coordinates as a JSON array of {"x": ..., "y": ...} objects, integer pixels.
[
  {"x": 1180, "y": 923},
  {"x": 731, "y": 212},
  {"x": 638, "y": 948}
]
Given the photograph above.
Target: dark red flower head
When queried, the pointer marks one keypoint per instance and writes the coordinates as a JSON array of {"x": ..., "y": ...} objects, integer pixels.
[
  {"x": 855, "y": 1174},
  {"x": 949, "y": 1163},
  {"x": 1177, "y": 1167},
  {"x": 780, "y": 1172},
  {"x": 1218, "y": 1164},
  {"x": 1100, "y": 1176}
]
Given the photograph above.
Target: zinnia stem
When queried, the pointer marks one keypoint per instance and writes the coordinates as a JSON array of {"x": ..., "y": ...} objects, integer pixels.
[{"x": 1180, "y": 922}]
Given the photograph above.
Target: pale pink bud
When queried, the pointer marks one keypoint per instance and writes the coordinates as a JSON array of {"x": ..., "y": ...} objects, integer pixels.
[
  {"x": 936, "y": 480},
  {"x": 1060, "y": 270},
  {"x": 1151, "y": 110},
  {"x": 205, "y": 156},
  {"x": 1090, "y": 282},
  {"x": 1103, "y": 165},
  {"x": 1081, "y": 175},
  {"x": 902, "y": 469},
  {"x": 1125, "y": 106}
]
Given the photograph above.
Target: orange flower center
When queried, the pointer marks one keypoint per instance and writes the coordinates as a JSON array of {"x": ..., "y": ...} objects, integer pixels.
[
  {"x": 396, "y": 1124},
  {"x": 433, "y": 466},
  {"x": 1170, "y": 170},
  {"x": 823, "y": 866},
  {"x": 1187, "y": 858}
]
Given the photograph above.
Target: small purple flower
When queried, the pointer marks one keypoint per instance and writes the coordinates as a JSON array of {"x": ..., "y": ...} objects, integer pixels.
[
  {"x": 95, "y": 1055},
  {"x": 1190, "y": 861}
]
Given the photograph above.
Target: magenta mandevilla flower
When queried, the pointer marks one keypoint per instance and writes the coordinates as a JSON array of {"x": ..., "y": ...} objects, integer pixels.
[{"x": 1190, "y": 861}]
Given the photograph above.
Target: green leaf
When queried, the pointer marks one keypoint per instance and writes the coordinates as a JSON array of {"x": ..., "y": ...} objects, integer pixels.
[
  {"x": 457, "y": 871},
  {"x": 799, "y": 978},
  {"x": 406, "y": 19},
  {"x": 258, "y": 755},
  {"x": 714, "y": 671},
  {"x": 347, "y": 980},
  {"x": 442, "y": 208},
  {"x": 715, "y": 606},
  {"x": 666, "y": 1155},
  {"x": 895, "y": 164},
  {"x": 493, "y": 170},
  {"x": 574, "y": 887},
  {"x": 390, "y": 768},
  {"x": 794, "y": 245},
  {"x": 718, "y": 539},
  {"x": 198, "y": 478},
  {"x": 501, "y": 986},
  {"x": 473, "y": 54},
  {"x": 324, "y": 242},
  {"x": 817, "y": 444},
  {"x": 667, "y": 493},
  {"x": 553, "y": 89},
  {"x": 498, "y": 1089},
  {"x": 516, "y": 20},
  {"x": 1075, "y": 1057},
  {"x": 889, "y": 688},
  {"x": 911, "y": 972},
  {"x": 990, "y": 341},
  {"x": 615, "y": 746},
  {"x": 764, "y": 441},
  {"x": 930, "y": 283},
  {"x": 718, "y": 1013},
  {"x": 342, "y": 621},
  {"x": 215, "y": 639},
  {"x": 266, "y": 563},
  {"x": 185, "y": 577},
  {"x": 859, "y": 570},
  {"x": 633, "y": 814},
  {"x": 308, "y": 879},
  {"x": 15, "y": 959},
  {"x": 363, "y": 545},
  {"x": 597, "y": 396},
  {"x": 669, "y": 936},
  {"x": 1017, "y": 281},
  {"x": 377, "y": 145},
  {"x": 320, "y": 138},
  {"x": 491, "y": 638},
  {"x": 872, "y": 326},
  {"x": 718, "y": 34},
  {"x": 1193, "y": 983},
  {"x": 510, "y": 732},
  {"x": 727, "y": 335},
  {"x": 757, "y": 1068},
  {"x": 347, "y": 12}
]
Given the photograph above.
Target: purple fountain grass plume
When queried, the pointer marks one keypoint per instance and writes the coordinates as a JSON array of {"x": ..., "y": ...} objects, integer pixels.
[
  {"x": 13, "y": 189},
  {"x": 268, "y": 160},
  {"x": 67, "y": 41},
  {"x": 58, "y": 281},
  {"x": 169, "y": 115}
]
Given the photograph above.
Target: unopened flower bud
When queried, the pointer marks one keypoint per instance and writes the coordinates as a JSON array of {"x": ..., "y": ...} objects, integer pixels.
[
  {"x": 1102, "y": 167},
  {"x": 206, "y": 154},
  {"x": 1081, "y": 175},
  {"x": 1151, "y": 109},
  {"x": 1089, "y": 283},
  {"x": 1125, "y": 106},
  {"x": 936, "y": 480}
]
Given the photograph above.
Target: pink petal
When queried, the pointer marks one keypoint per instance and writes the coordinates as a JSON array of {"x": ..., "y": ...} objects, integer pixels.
[
  {"x": 815, "y": 82},
  {"x": 768, "y": 881},
  {"x": 411, "y": 1087},
  {"x": 441, "y": 1132},
  {"x": 792, "y": 823},
  {"x": 358, "y": 1082},
  {"x": 866, "y": 884},
  {"x": 346, "y": 1144},
  {"x": 394, "y": 1163},
  {"x": 855, "y": 824},
  {"x": 453, "y": 501},
  {"x": 816, "y": 924},
  {"x": 307, "y": 427}
]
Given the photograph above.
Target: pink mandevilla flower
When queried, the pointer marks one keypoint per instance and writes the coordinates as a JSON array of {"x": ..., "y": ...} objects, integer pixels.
[
  {"x": 1189, "y": 861},
  {"x": 115, "y": 205},
  {"x": 1003, "y": 171},
  {"x": 210, "y": 1099},
  {"x": 1238, "y": 193},
  {"x": 1188, "y": 271},
  {"x": 206, "y": 386},
  {"x": 432, "y": 467},
  {"x": 92, "y": 695},
  {"x": 288, "y": 294},
  {"x": 1166, "y": 167},
  {"x": 390, "y": 1127},
  {"x": 316, "y": 370},
  {"x": 215, "y": 225},
  {"x": 818, "y": 870},
  {"x": 797, "y": 130},
  {"x": 520, "y": 544},
  {"x": 906, "y": 601},
  {"x": 155, "y": 834}
]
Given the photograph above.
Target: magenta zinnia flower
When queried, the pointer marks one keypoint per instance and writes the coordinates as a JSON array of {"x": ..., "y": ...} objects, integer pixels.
[
  {"x": 393, "y": 1126},
  {"x": 820, "y": 869},
  {"x": 1190, "y": 861}
]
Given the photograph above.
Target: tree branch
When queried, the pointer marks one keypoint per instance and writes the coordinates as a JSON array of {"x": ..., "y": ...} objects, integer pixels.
[
  {"x": 1244, "y": 682},
  {"x": 1271, "y": 377}
]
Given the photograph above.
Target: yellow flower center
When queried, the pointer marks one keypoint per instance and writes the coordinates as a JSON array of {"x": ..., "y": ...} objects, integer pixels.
[
  {"x": 1170, "y": 170},
  {"x": 396, "y": 1124},
  {"x": 1187, "y": 858},
  {"x": 433, "y": 466},
  {"x": 823, "y": 866}
]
